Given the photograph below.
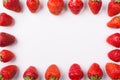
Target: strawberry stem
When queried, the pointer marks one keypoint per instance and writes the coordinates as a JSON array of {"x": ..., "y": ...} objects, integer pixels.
[
  {"x": 28, "y": 78},
  {"x": 117, "y": 0},
  {"x": 53, "y": 78},
  {"x": 1, "y": 78},
  {"x": 94, "y": 78}
]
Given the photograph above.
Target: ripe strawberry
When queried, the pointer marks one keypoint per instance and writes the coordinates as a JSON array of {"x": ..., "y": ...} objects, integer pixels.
[
  {"x": 55, "y": 6},
  {"x": 5, "y": 19},
  {"x": 114, "y": 55},
  {"x": 114, "y": 22},
  {"x": 6, "y": 39},
  {"x": 95, "y": 72},
  {"x": 52, "y": 73},
  {"x": 13, "y": 5},
  {"x": 8, "y": 72},
  {"x": 75, "y": 72},
  {"x": 6, "y": 55},
  {"x": 95, "y": 6},
  {"x": 113, "y": 7},
  {"x": 33, "y": 5},
  {"x": 114, "y": 40},
  {"x": 31, "y": 73},
  {"x": 75, "y": 6},
  {"x": 113, "y": 71}
]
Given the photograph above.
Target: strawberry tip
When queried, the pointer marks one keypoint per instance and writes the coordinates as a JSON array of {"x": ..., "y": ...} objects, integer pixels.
[{"x": 28, "y": 78}]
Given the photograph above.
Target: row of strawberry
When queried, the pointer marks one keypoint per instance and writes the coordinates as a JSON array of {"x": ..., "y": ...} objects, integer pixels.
[
  {"x": 113, "y": 69},
  {"x": 75, "y": 6},
  {"x": 53, "y": 72}
]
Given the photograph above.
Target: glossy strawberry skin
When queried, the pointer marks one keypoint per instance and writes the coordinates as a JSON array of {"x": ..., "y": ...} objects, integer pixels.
[
  {"x": 113, "y": 70},
  {"x": 114, "y": 22},
  {"x": 113, "y": 8},
  {"x": 114, "y": 55},
  {"x": 55, "y": 6},
  {"x": 8, "y": 72},
  {"x": 5, "y": 19},
  {"x": 30, "y": 73},
  {"x": 75, "y": 72},
  {"x": 13, "y": 5},
  {"x": 52, "y": 73},
  {"x": 6, "y": 39},
  {"x": 33, "y": 5},
  {"x": 6, "y": 55},
  {"x": 95, "y": 6},
  {"x": 75, "y": 6},
  {"x": 95, "y": 72},
  {"x": 114, "y": 40}
]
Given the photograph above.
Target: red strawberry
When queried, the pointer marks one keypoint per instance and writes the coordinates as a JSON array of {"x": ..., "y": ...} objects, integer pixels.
[
  {"x": 113, "y": 71},
  {"x": 31, "y": 73},
  {"x": 52, "y": 73},
  {"x": 95, "y": 6},
  {"x": 114, "y": 22},
  {"x": 55, "y": 6},
  {"x": 6, "y": 55},
  {"x": 13, "y": 5},
  {"x": 8, "y": 72},
  {"x": 75, "y": 72},
  {"x": 95, "y": 72},
  {"x": 114, "y": 40},
  {"x": 33, "y": 5},
  {"x": 5, "y": 19},
  {"x": 114, "y": 55},
  {"x": 6, "y": 39},
  {"x": 75, "y": 6},
  {"x": 113, "y": 7}
]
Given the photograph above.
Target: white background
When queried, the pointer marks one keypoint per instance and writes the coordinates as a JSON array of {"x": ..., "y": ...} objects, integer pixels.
[{"x": 44, "y": 39}]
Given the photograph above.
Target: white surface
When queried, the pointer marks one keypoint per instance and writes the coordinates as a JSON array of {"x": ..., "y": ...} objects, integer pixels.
[{"x": 44, "y": 39}]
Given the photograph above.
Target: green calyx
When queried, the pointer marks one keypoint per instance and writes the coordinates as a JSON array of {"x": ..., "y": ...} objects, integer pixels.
[
  {"x": 1, "y": 78},
  {"x": 53, "y": 78},
  {"x": 5, "y": 1},
  {"x": 0, "y": 57},
  {"x": 96, "y": 0},
  {"x": 28, "y": 78},
  {"x": 94, "y": 78},
  {"x": 117, "y": 1},
  {"x": 37, "y": 1}
]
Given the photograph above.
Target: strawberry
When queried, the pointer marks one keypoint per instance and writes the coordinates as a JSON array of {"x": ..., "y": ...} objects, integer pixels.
[
  {"x": 6, "y": 55},
  {"x": 114, "y": 55},
  {"x": 95, "y": 72},
  {"x": 31, "y": 73},
  {"x": 113, "y": 70},
  {"x": 55, "y": 6},
  {"x": 33, "y": 5},
  {"x": 5, "y": 19},
  {"x": 114, "y": 22},
  {"x": 75, "y": 6},
  {"x": 113, "y": 7},
  {"x": 8, "y": 72},
  {"x": 114, "y": 40},
  {"x": 52, "y": 73},
  {"x": 95, "y": 6},
  {"x": 6, "y": 39},
  {"x": 75, "y": 72},
  {"x": 13, "y": 5}
]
